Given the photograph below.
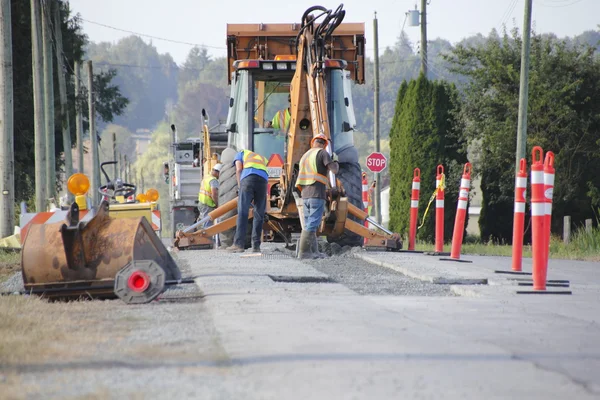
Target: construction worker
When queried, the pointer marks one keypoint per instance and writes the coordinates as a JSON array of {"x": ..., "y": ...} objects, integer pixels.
[
  {"x": 252, "y": 177},
  {"x": 312, "y": 182},
  {"x": 371, "y": 197},
  {"x": 282, "y": 118},
  {"x": 208, "y": 198}
]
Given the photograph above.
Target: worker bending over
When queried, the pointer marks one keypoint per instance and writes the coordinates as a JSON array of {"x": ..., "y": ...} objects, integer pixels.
[
  {"x": 208, "y": 198},
  {"x": 312, "y": 182},
  {"x": 252, "y": 177}
]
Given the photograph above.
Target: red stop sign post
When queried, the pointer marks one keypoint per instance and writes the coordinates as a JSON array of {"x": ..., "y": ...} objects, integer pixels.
[{"x": 376, "y": 162}]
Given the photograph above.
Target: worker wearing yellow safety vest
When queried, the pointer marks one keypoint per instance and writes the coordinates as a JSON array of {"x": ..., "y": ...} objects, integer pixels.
[
  {"x": 282, "y": 119},
  {"x": 312, "y": 182},
  {"x": 208, "y": 197},
  {"x": 252, "y": 178}
]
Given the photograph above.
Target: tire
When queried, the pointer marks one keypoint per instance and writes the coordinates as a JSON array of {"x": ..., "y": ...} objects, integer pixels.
[
  {"x": 350, "y": 176},
  {"x": 228, "y": 188}
]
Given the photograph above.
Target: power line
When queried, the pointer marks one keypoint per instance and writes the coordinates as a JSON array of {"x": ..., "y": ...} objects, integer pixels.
[
  {"x": 152, "y": 36},
  {"x": 558, "y": 5}
]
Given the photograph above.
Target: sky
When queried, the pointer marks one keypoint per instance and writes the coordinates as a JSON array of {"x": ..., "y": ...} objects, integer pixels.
[{"x": 204, "y": 22}]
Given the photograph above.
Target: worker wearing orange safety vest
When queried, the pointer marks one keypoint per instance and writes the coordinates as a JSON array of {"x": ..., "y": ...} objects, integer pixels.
[
  {"x": 252, "y": 178},
  {"x": 208, "y": 197},
  {"x": 312, "y": 182}
]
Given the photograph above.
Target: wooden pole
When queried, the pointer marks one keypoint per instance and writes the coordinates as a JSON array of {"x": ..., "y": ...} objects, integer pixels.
[
  {"x": 62, "y": 88},
  {"x": 78, "y": 118},
  {"x": 38, "y": 109},
  {"x": 95, "y": 173},
  {"x": 567, "y": 229},
  {"x": 7, "y": 161},
  {"x": 48, "y": 101}
]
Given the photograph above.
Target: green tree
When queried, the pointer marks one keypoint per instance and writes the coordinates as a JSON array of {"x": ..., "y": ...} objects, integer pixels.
[
  {"x": 425, "y": 132},
  {"x": 564, "y": 90},
  {"x": 148, "y": 79},
  {"x": 147, "y": 171},
  {"x": 73, "y": 50}
]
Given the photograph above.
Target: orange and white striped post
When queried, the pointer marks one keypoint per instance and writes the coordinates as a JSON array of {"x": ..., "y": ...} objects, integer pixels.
[
  {"x": 365, "y": 197},
  {"x": 414, "y": 208},
  {"x": 548, "y": 192},
  {"x": 519, "y": 216},
  {"x": 538, "y": 234},
  {"x": 439, "y": 211},
  {"x": 461, "y": 212}
]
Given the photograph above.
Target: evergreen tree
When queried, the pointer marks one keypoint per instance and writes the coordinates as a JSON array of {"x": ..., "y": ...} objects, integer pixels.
[{"x": 425, "y": 132}]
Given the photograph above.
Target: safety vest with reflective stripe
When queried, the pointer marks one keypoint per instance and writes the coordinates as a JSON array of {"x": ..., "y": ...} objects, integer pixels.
[
  {"x": 253, "y": 160},
  {"x": 205, "y": 195},
  {"x": 282, "y": 120},
  {"x": 309, "y": 174}
]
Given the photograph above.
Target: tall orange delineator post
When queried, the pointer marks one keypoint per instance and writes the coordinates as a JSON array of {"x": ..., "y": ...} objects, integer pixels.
[
  {"x": 414, "y": 208},
  {"x": 519, "y": 216},
  {"x": 365, "y": 197},
  {"x": 439, "y": 211},
  {"x": 548, "y": 192},
  {"x": 538, "y": 205},
  {"x": 461, "y": 212}
]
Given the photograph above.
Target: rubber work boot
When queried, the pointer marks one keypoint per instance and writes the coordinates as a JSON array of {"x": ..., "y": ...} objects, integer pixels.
[
  {"x": 235, "y": 249},
  {"x": 305, "y": 245},
  {"x": 315, "y": 246}
]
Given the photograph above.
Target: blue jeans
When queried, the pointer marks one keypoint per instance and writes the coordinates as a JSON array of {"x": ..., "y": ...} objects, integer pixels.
[
  {"x": 252, "y": 188},
  {"x": 313, "y": 212}
]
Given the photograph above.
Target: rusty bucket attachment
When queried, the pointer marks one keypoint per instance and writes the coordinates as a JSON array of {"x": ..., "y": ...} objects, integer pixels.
[{"x": 73, "y": 258}]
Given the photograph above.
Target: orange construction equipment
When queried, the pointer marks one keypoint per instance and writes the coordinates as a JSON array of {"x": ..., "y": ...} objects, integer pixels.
[
  {"x": 538, "y": 233},
  {"x": 548, "y": 192},
  {"x": 519, "y": 218},
  {"x": 305, "y": 68},
  {"x": 461, "y": 212},
  {"x": 439, "y": 210},
  {"x": 95, "y": 253},
  {"x": 414, "y": 208}
]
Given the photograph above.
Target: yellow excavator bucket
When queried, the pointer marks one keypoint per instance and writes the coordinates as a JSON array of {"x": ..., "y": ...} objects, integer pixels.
[{"x": 104, "y": 257}]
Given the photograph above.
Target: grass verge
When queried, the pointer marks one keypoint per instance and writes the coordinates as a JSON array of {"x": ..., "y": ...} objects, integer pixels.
[
  {"x": 10, "y": 262},
  {"x": 584, "y": 246}
]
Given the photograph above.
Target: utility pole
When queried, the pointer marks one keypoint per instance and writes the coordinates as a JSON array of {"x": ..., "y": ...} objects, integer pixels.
[
  {"x": 121, "y": 166},
  {"x": 376, "y": 115},
  {"x": 142, "y": 180},
  {"x": 38, "y": 109},
  {"x": 114, "y": 143},
  {"x": 62, "y": 88},
  {"x": 125, "y": 169},
  {"x": 95, "y": 174},
  {"x": 7, "y": 198},
  {"x": 48, "y": 101},
  {"x": 524, "y": 87},
  {"x": 78, "y": 119},
  {"x": 424, "y": 37}
]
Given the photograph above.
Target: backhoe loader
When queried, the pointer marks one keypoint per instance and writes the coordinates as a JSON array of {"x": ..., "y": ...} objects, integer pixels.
[{"x": 311, "y": 63}]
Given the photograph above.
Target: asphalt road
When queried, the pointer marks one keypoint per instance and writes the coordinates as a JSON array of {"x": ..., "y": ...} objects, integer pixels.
[{"x": 272, "y": 327}]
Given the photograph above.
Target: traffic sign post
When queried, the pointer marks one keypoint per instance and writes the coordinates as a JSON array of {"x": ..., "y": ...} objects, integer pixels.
[{"x": 376, "y": 162}]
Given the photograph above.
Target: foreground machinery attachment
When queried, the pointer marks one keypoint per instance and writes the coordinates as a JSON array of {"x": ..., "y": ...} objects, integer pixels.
[{"x": 102, "y": 258}]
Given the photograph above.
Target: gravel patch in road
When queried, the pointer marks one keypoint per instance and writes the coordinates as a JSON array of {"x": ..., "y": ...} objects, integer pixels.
[
  {"x": 343, "y": 266},
  {"x": 368, "y": 279}
]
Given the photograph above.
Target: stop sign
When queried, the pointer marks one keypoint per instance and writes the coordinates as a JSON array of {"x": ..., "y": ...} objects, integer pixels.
[{"x": 376, "y": 162}]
